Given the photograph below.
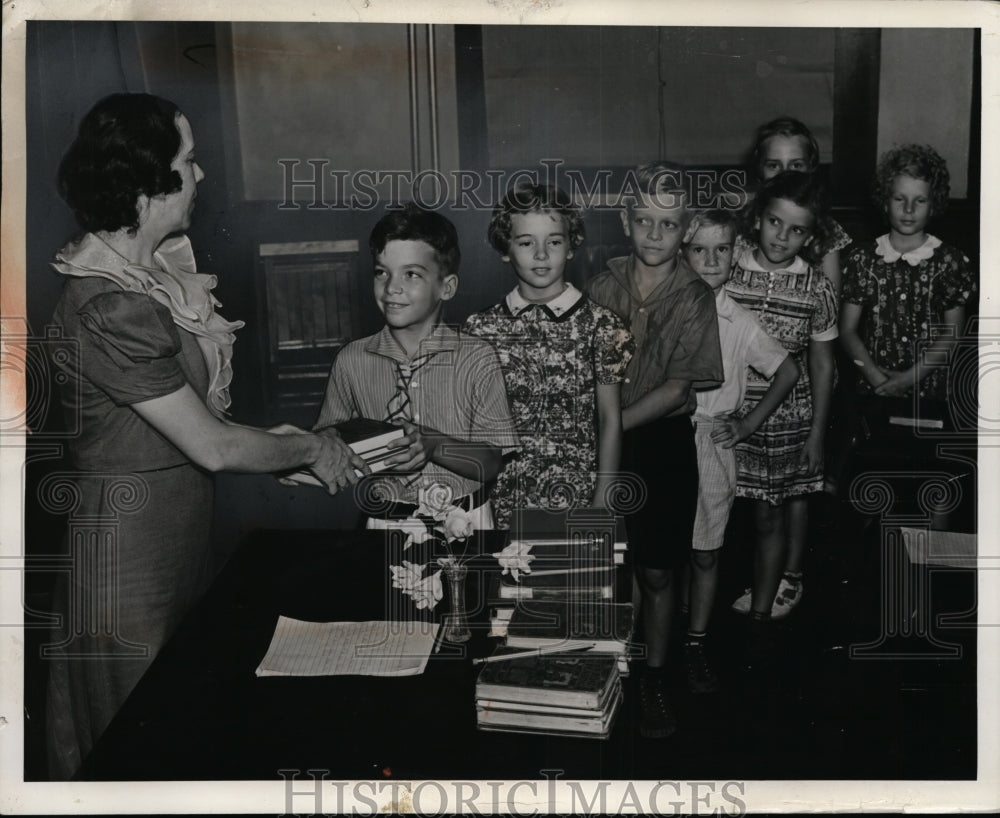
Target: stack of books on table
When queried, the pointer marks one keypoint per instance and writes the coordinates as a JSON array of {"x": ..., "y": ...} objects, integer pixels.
[
  {"x": 575, "y": 555},
  {"x": 571, "y": 694}
]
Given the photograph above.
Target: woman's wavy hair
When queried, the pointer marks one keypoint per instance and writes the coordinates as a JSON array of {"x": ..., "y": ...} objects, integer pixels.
[
  {"x": 805, "y": 190},
  {"x": 918, "y": 162},
  {"x": 527, "y": 197},
  {"x": 782, "y": 126},
  {"x": 123, "y": 148}
]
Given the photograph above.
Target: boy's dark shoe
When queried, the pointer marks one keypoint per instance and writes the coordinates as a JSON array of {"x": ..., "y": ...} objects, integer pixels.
[
  {"x": 700, "y": 676},
  {"x": 656, "y": 716}
]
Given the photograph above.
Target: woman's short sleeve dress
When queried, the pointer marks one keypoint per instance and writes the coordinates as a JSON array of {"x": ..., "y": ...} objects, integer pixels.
[{"x": 139, "y": 524}]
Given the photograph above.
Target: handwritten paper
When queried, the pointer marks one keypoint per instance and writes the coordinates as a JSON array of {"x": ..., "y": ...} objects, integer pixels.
[{"x": 376, "y": 648}]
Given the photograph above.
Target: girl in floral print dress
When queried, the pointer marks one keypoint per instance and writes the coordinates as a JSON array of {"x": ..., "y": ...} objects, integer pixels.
[
  {"x": 563, "y": 358},
  {"x": 781, "y": 463},
  {"x": 905, "y": 294}
]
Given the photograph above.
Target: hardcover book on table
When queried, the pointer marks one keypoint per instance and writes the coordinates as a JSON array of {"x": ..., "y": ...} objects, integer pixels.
[
  {"x": 597, "y": 724},
  {"x": 579, "y": 681},
  {"x": 543, "y": 623},
  {"x": 541, "y": 527}
]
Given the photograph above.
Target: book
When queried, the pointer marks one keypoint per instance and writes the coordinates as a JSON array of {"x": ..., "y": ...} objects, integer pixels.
[
  {"x": 597, "y": 724},
  {"x": 541, "y": 527},
  {"x": 916, "y": 423},
  {"x": 579, "y": 681},
  {"x": 367, "y": 438},
  {"x": 542, "y": 623}
]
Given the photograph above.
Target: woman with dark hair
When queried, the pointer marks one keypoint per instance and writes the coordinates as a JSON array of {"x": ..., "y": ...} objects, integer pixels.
[{"x": 145, "y": 372}]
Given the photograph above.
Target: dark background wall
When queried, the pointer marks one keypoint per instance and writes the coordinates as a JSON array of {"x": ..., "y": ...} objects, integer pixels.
[{"x": 502, "y": 101}]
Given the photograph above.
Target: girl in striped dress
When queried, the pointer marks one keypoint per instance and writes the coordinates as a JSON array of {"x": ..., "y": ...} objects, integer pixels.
[{"x": 781, "y": 463}]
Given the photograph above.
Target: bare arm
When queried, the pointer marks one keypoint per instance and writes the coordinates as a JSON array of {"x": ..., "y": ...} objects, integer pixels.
[
  {"x": 609, "y": 439},
  {"x": 666, "y": 398},
  {"x": 216, "y": 446},
  {"x": 472, "y": 459},
  {"x": 850, "y": 318},
  {"x": 897, "y": 383},
  {"x": 831, "y": 269},
  {"x": 821, "y": 382},
  {"x": 727, "y": 432}
]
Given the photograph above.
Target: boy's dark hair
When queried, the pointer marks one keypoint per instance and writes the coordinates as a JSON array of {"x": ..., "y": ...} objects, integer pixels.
[
  {"x": 717, "y": 217},
  {"x": 123, "y": 148},
  {"x": 526, "y": 197},
  {"x": 413, "y": 223},
  {"x": 920, "y": 162},
  {"x": 783, "y": 126},
  {"x": 805, "y": 190}
]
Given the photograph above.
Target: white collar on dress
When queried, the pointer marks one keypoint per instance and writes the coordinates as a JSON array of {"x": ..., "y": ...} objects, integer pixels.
[
  {"x": 748, "y": 262},
  {"x": 912, "y": 257},
  {"x": 517, "y": 303}
]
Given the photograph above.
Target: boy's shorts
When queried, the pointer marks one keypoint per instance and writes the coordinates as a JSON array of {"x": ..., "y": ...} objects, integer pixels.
[
  {"x": 662, "y": 454},
  {"x": 716, "y": 488}
]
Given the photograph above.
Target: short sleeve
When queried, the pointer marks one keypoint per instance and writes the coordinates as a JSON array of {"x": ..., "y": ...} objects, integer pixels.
[
  {"x": 490, "y": 420},
  {"x": 854, "y": 288},
  {"x": 763, "y": 353},
  {"x": 955, "y": 284},
  {"x": 698, "y": 354},
  {"x": 614, "y": 347},
  {"x": 823, "y": 324},
  {"x": 129, "y": 347},
  {"x": 837, "y": 238}
]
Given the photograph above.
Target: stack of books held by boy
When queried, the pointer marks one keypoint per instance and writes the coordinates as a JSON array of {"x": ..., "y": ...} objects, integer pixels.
[
  {"x": 369, "y": 439},
  {"x": 565, "y": 693}
]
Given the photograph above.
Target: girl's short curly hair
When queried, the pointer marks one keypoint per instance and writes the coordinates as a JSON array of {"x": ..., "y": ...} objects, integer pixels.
[
  {"x": 527, "y": 197},
  {"x": 918, "y": 162},
  {"x": 123, "y": 148}
]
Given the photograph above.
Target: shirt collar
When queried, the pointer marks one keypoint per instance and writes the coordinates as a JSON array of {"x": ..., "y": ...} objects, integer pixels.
[
  {"x": 724, "y": 305},
  {"x": 913, "y": 257},
  {"x": 555, "y": 308},
  {"x": 442, "y": 339},
  {"x": 621, "y": 271},
  {"x": 748, "y": 262}
]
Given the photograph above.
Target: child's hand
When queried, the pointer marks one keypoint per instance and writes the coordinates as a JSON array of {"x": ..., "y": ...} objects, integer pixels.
[
  {"x": 728, "y": 431},
  {"x": 896, "y": 383},
  {"x": 811, "y": 459},
  {"x": 416, "y": 448}
]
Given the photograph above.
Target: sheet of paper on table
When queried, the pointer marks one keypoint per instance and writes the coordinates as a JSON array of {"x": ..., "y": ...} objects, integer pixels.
[{"x": 377, "y": 648}]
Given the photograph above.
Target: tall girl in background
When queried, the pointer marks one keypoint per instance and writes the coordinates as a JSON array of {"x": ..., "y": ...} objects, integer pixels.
[
  {"x": 787, "y": 144},
  {"x": 782, "y": 462},
  {"x": 905, "y": 295}
]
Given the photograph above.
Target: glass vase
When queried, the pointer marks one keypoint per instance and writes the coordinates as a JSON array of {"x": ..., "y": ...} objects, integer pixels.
[{"x": 456, "y": 623}]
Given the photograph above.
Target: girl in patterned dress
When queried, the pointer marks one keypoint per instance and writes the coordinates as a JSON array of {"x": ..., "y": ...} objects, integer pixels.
[
  {"x": 563, "y": 357},
  {"x": 905, "y": 295},
  {"x": 784, "y": 144},
  {"x": 795, "y": 304}
]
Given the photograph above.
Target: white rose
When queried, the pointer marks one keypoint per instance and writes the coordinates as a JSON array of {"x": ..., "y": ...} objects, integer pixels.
[
  {"x": 435, "y": 501},
  {"x": 458, "y": 525}
]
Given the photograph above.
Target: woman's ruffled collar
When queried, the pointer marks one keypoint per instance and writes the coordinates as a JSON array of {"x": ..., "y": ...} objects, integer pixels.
[
  {"x": 178, "y": 286},
  {"x": 891, "y": 255}
]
